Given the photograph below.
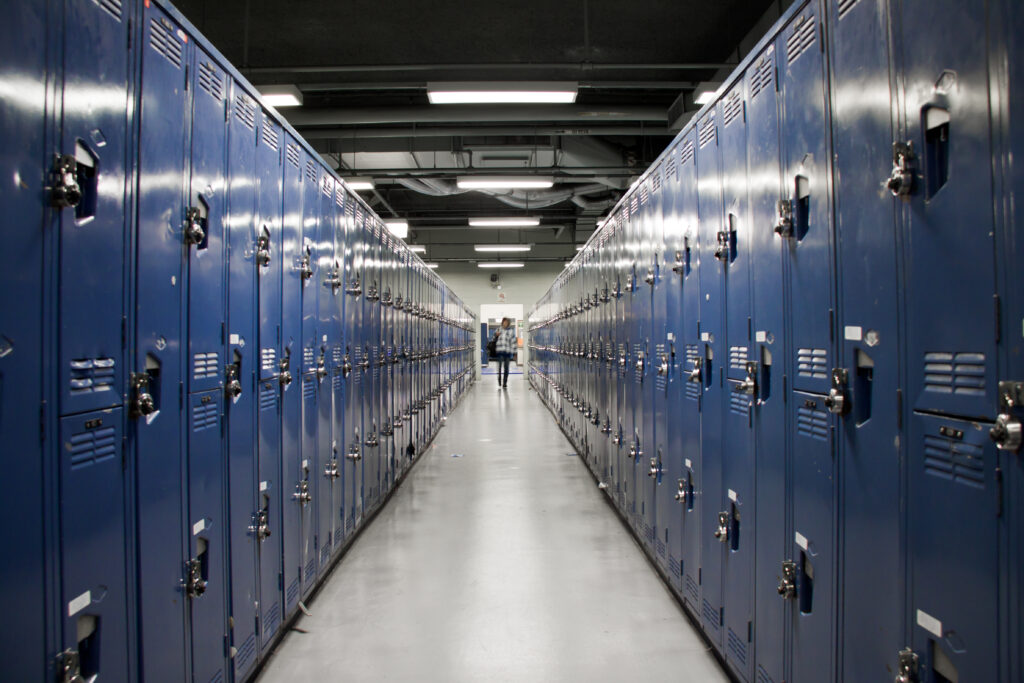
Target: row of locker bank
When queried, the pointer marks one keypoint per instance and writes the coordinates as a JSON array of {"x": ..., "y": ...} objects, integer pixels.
[
  {"x": 215, "y": 362},
  {"x": 793, "y": 352}
]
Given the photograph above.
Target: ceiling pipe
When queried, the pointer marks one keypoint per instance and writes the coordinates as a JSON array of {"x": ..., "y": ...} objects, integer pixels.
[
  {"x": 362, "y": 116},
  {"x": 469, "y": 131},
  {"x": 582, "y": 66}
]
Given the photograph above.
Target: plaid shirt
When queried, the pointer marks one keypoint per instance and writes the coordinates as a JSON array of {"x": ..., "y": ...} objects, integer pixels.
[{"x": 506, "y": 341}]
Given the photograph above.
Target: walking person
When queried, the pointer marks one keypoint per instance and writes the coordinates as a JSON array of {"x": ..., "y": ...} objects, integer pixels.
[{"x": 505, "y": 344}]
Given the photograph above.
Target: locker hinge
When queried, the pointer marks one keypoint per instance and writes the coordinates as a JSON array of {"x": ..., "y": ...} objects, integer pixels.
[
  {"x": 68, "y": 667},
  {"x": 906, "y": 666}
]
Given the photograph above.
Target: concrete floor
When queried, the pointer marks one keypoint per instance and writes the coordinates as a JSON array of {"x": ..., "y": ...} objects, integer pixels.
[{"x": 505, "y": 564}]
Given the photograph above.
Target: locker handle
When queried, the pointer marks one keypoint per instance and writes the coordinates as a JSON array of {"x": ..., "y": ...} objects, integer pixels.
[
  {"x": 195, "y": 227},
  {"x": 263, "y": 247}
]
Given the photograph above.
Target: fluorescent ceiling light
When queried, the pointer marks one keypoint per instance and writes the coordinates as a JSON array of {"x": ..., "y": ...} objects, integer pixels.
[
  {"x": 502, "y": 247},
  {"x": 503, "y": 222},
  {"x": 281, "y": 95},
  {"x": 705, "y": 92},
  {"x": 580, "y": 247},
  {"x": 501, "y": 93},
  {"x": 500, "y": 264},
  {"x": 398, "y": 228},
  {"x": 704, "y": 98},
  {"x": 430, "y": 265},
  {"x": 504, "y": 183},
  {"x": 359, "y": 183},
  {"x": 417, "y": 248}
]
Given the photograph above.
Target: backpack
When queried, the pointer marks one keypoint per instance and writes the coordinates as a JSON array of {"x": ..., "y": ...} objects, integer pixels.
[{"x": 492, "y": 347}]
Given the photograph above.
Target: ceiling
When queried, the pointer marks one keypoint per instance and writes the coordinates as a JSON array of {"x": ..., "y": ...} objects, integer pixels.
[{"x": 363, "y": 67}]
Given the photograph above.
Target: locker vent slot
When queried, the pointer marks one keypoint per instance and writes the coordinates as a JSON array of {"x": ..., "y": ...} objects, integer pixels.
[
  {"x": 92, "y": 447},
  {"x": 845, "y": 6},
  {"x": 268, "y": 359},
  {"x": 245, "y": 110},
  {"x": 648, "y": 532},
  {"x": 293, "y": 592},
  {"x": 349, "y": 523},
  {"x": 692, "y": 354},
  {"x": 91, "y": 375},
  {"x": 671, "y": 171},
  {"x": 711, "y": 615},
  {"x": 739, "y": 404},
  {"x": 218, "y": 677},
  {"x": 659, "y": 546},
  {"x": 271, "y": 138},
  {"x": 687, "y": 155},
  {"x": 308, "y": 387},
  {"x": 336, "y": 356},
  {"x": 268, "y": 396},
  {"x": 111, "y": 7},
  {"x": 763, "y": 75},
  {"x": 961, "y": 373},
  {"x": 205, "y": 365},
  {"x": 733, "y": 107},
  {"x": 292, "y": 152},
  {"x": 737, "y": 648},
  {"x": 336, "y": 381},
  {"x": 163, "y": 40},
  {"x": 211, "y": 81},
  {"x": 349, "y": 209},
  {"x": 673, "y": 566},
  {"x": 245, "y": 653},
  {"x": 812, "y": 363},
  {"x": 204, "y": 416},
  {"x": 339, "y": 197},
  {"x": 645, "y": 194},
  {"x": 311, "y": 171},
  {"x": 271, "y": 619},
  {"x": 691, "y": 589},
  {"x": 307, "y": 357},
  {"x": 956, "y": 461},
  {"x": 708, "y": 133},
  {"x": 325, "y": 187},
  {"x": 325, "y": 553},
  {"x": 762, "y": 675},
  {"x": 311, "y": 569},
  {"x": 634, "y": 205},
  {"x": 738, "y": 357},
  {"x": 801, "y": 37},
  {"x": 812, "y": 423},
  {"x": 656, "y": 181}
]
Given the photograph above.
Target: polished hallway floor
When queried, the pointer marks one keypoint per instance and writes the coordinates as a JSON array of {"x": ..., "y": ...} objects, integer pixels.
[{"x": 504, "y": 564}]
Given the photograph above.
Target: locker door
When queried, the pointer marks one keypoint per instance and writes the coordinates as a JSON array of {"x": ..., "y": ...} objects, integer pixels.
[
  {"x": 354, "y": 330},
  {"x": 94, "y": 133},
  {"x": 240, "y": 378},
  {"x": 157, "y": 369},
  {"x": 866, "y": 241},
  {"x": 23, "y": 130},
  {"x": 269, "y": 260},
  {"x": 336, "y": 363},
  {"x": 291, "y": 369},
  {"x": 769, "y": 325},
  {"x": 620, "y": 458},
  {"x": 809, "y": 255},
  {"x": 371, "y": 308},
  {"x": 635, "y": 300},
  {"x": 740, "y": 389},
  {"x": 711, "y": 350},
  {"x": 329, "y": 470},
  {"x": 93, "y": 564},
  {"x": 649, "y": 466}
]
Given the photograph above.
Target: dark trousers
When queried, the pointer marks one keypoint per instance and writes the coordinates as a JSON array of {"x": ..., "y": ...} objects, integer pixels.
[{"x": 503, "y": 363}]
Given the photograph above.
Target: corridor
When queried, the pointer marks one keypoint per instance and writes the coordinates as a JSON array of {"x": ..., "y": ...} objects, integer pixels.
[{"x": 497, "y": 560}]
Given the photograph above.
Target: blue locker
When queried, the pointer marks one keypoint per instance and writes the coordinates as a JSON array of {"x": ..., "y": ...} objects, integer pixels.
[
  {"x": 387, "y": 299},
  {"x": 769, "y": 326},
  {"x": 354, "y": 334},
  {"x": 741, "y": 388},
  {"x": 24, "y": 133},
  {"x": 93, "y": 581},
  {"x": 714, "y": 253},
  {"x": 371, "y": 384},
  {"x": 648, "y": 270},
  {"x": 291, "y": 368},
  {"x": 310, "y": 486},
  {"x": 871, "y": 609},
  {"x": 621, "y": 437},
  {"x": 336, "y": 349},
  {"x": 94, "y": 146},
  {"x": 157, "y": 374},
  {"x": 329, "y": 467},
  {"x": 240, "y": 379}
]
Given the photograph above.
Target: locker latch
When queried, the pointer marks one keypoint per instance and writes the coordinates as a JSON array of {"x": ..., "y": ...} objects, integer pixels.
[
  {"x": 787, "y": 584},
  {"x": 263, "y": 247},
  {"x": 595, "y": 419},
  {"x": 333, "y": 279},
  {"x": 907, "y": 666},
  {"x": 65, "y": 191},
  {"x": 371, "y": 292},
  {"x": 749, "y": 383},
  {"x": 681, "y": 490},
  {"x": 634, "y": 450},
  {"x": 649, "y": 277},
  {"x": 355, "y": 288},
  {"x": 68, "y": 667},
  {"x": 901, "y": 181},
  {"x": 655, "y": 468},
  {"x": 346, "y": 366},
  {"x": 371, "y": 439},
  {"x": 194, "y": 231},
  {"x": 386, "y": 429},
  {"x": 398, "y": 422},
  {"x": 385, "y": 298},
  {"x": 143, "y": 403},
  {"x": 195, "y": 584},
  {"x": 722, "y": 532},
  {"x": 306, "y": 265},
  {"x": 232, "y": 384},
  {"x": 261, "y": 524},
  {"x": 331, "y": 470},
  {"x": 302, "y": 493},
  {"x": 1006, "y": 432},
  {"x": 682, "y": 258},
  {"x": 836, "y": 401},
  {"x": 695, "y": 372},
  {"x": 354, "y": 452},
  {"x": 605, "y": 296},
  {"x": 607, "y": 428},
  {"x": 321, "y": 365},
  {"x": 399, "y": 303},
  {"x": 723, "y": 247},
  {"x": 284, "y": 367},
  {"x": 663, "y": 364},
  {"x": 784, "y": 218}
]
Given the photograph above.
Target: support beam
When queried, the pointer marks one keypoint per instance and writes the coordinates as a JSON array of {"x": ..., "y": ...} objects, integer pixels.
[{"x": 584, "y": 114}]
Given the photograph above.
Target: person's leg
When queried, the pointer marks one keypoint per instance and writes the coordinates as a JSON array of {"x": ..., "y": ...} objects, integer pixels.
[
  {"x": 508, "y": 361},
  {"x": 501, "y": 363}
]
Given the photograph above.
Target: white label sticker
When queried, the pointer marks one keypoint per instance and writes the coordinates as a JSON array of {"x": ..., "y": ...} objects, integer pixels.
[
  {"x": 929, "y": 623},
  {"x": 325, "y": 337},
  {"x": 305, "y": 464},
  {"x": 801, "y": 540},
  {"x": 263, "y": 486},
  {"x": 732, "y": 495},
  {"x": 853, "y": 333},
  {"x": 671, "y": 336},
  {"x": 79, "y": 603},
  {"x": 198, "y": 526},
  {"x": 704, "y": 336},
  {"x": 234, "y": 339},
  {"x": 689, "y": 465},
  {"x": 761, "y": 336}
]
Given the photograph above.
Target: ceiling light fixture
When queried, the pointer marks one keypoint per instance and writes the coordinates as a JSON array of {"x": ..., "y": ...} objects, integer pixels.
[
  {"x": 502, "y": 93},
  {"x": 281, "y": 95},
  {"x": 398, "y": 228},
  {"x": 502, "y": 247},
  {"x": 501, "y": 264},
  {"x": 504, "y": 222},
  {"x": 580, "y": 247},
  {"x": 417, "y": 248},
  {"x": 431, "y": 265},
  {"x": 504, "y": 183},
  {"x": 357, "y": 184},
  {"x": 705, "y": 92}
]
